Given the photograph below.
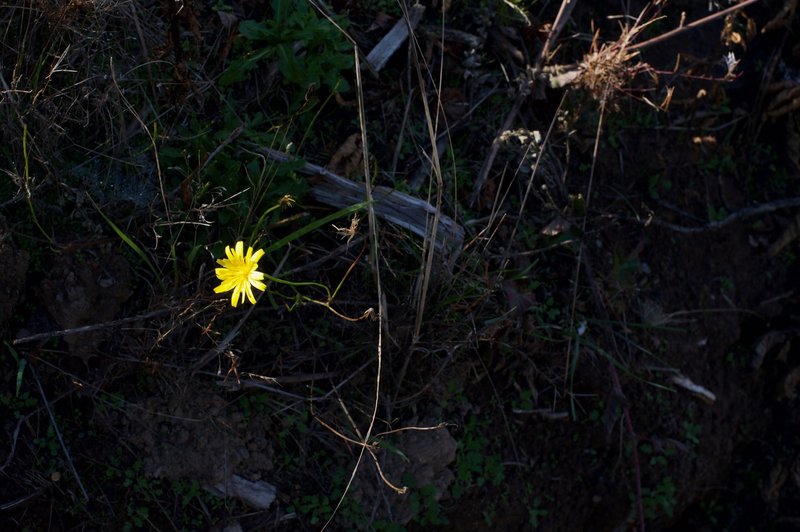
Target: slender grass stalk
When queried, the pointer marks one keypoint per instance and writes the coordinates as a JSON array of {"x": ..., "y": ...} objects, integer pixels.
[
  {"x": 125, "y": 238},
  {"x": 28, "y": 184},
  {"x": 314, "y": 225}
]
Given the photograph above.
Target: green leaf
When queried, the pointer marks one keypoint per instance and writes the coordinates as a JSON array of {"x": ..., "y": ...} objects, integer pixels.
[
  {"x": 21, "y": 363},
  {"x": 255, "y": 31}
]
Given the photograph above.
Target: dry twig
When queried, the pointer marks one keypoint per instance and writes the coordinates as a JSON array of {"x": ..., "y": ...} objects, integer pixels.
[
  {"x": 58, "y": 434},
  {"x": 741, "y": 214},
  {"x": 87, "y": 328}
]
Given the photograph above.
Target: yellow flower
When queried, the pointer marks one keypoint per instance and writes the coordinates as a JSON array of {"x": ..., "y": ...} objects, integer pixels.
[{"x": 238, "y": 273}]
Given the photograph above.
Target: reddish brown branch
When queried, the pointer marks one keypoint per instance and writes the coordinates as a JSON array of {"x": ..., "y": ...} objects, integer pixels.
[{"x": 691, "y": 25}]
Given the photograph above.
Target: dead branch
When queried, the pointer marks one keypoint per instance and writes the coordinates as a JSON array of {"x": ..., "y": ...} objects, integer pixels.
[
  {"x": 86, "y": 328},
  {"x": 747, "y": 212},
  {"x": 692, "y": 25},
  {"x": 406, "y": 211}
]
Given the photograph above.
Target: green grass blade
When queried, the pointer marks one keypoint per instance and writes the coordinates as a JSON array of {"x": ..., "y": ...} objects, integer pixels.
[
  {"x": 314, "y": 225},
  {"x": 21, "y": 363},
  {"x": 125, "y": 238}
]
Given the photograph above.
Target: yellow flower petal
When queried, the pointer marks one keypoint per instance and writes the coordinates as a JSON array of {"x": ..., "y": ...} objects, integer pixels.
[
  {"x": 248, "y": 290},
  {"x": 235, "y": 297},
  {"x": 238, "y": 273}
]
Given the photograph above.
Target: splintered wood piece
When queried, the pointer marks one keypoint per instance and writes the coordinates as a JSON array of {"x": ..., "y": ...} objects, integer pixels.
[
  {"x": 393, "y": 40},
  {"x": 699, "y": 391},
  {"x": 408, "y": 212},
  {"x": 258, "y": 494}
]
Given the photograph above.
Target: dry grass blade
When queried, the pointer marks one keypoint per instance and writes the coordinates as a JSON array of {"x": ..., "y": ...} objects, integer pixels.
[
  {"x": 376, "y": 272},
  {"x": 58, "y": 434},
  {"x": 428, "y": 252}
]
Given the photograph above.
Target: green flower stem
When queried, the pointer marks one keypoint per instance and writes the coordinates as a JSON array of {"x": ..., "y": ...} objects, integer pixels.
[
  {"x": 300, "y": 298},
  {"x": 293, "y": 284},
  {"x": 261, "y": 220}
]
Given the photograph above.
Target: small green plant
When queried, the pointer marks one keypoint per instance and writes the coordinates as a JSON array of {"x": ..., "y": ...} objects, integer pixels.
[
  {"x": 660, "y": 398},
  {"x": 548, "y": 312},
  {"x": 145, "y": 496},
  {"x": 716, "y": 214},
  {"x": 237, "y": 188},
  {"x": 310, "y": 51},
  {"x": 383, "y": 525},
  {"x": 787, "y": 257},
  {"x": 691, "y": 431},
  {"x": 475, "y": 466},
  {"x": 319, "y": 507},
  {"x": 17, "y": 403},
  {"x": 660, "y": 499},
  {"x": 48, "y": 444},
  {"x": 712, "y": 509},
  {"x": 657, "y": 184},
  {"x": 726, "y": 285},
  {"x": 253, "y": 404},
  {"x": 137, "y": 517},
  {"x": 144, "y": 493},
  {"x": 535, "y": 512},
  {"x": 718, "y": 163},
  {"x": 524, "y": 401},
  {"x": 655, "y": 459},
  {"x": 21, "y": 363},
  {"x": 291, "y": 427},
  {"x": 453, "y": 395},
  {"x": 426, "y": 506},
  {"x": 316, "y": 506},
  {"x": 735, "y": 360}
]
